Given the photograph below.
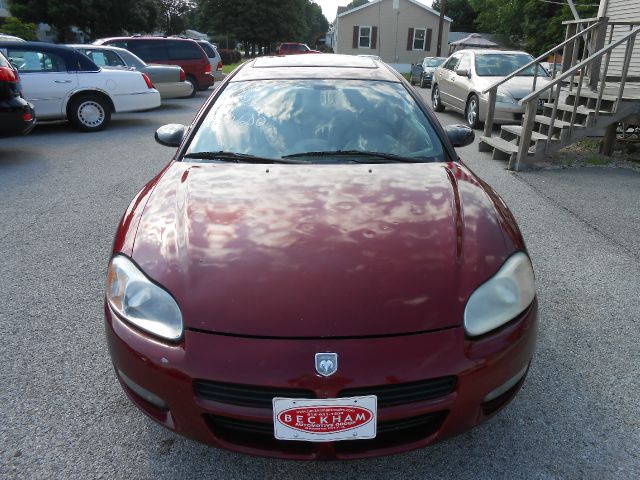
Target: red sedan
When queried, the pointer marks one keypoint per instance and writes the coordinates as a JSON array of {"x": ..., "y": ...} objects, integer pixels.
[{"x": 316, "y": 274}]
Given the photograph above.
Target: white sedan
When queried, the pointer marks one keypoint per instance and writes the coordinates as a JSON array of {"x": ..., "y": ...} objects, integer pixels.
[{"x": 62, "y": 84}]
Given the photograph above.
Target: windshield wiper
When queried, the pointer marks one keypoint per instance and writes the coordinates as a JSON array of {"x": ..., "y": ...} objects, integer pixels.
[
  {"x": 235, "y": 157},
  {"x": 356, "y": 153}
]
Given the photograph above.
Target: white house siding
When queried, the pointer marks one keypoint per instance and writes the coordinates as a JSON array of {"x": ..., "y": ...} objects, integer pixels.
[
  {"x": 622, "y": 11},
  {"x": 4, "y": 12},
  {"x": 391, "y": 28}
]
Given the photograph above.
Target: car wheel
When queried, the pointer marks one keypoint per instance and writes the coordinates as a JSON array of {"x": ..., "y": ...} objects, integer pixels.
[
  {"x": 436, "y": 102},
  {"x": 89, "y": 112},
  {"x": 472, "y": 112},
  {"x": 194, "y": 86}
]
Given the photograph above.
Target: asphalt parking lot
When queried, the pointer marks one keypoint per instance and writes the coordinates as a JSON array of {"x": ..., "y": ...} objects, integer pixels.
[{"x": 63, "y": 415}]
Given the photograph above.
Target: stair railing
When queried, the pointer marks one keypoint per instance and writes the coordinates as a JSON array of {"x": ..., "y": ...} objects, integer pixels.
[
  {"x": 572, "y": 44},
  {"x": 531, "y": 100}
]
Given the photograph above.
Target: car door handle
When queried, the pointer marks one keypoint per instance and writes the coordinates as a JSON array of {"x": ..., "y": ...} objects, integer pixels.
[{"x": 62, "y": 81}]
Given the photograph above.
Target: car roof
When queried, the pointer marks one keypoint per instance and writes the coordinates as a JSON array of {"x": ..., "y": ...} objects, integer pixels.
[
  {"x": 144, "y": 37},
  {"x": 38, "y": 45},
  {"x": 91, "y": 46},
  {"x": 484, "y": 51},
  {"x": 319, "y": 65}
]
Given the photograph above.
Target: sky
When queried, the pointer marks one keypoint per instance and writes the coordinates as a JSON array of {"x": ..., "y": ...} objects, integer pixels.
[{"x": 330, "y": 7}]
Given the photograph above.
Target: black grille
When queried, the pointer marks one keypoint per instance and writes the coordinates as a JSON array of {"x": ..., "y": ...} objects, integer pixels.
[
  {"x": 261, "y": 397},
  {"x": 245, "y": 395},
  {"x": 401, "y": 393},
  {"x": 389, "y": 434}
]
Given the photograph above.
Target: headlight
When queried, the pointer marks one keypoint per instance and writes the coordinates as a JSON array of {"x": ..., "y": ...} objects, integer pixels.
[
  {"x": 504, "y": 97},
  {"x": 141, "y": 302},
  {"x": 502, "y": 298}
]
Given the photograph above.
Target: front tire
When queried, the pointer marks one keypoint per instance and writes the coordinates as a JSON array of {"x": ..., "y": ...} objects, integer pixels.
[
  {"x": 472, "y": 112},
  {"x": 89, "y": 112},
  {"x": 436, "y": 101}
]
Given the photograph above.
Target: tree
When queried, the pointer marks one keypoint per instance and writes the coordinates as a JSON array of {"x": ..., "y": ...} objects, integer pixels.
[
  {"x": 462, "y": 14},
  {"x": 13, "y": 26},
  {"x": 260, "y": 24},
  {"x": 530, "y": 24},
  {"x": 95, "y": 17},
  {"x": 503, "y": 18},
  {"x": 173, "y": 15}
]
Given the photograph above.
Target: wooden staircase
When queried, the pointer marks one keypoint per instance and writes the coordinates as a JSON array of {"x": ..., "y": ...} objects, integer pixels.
[
  {"x": 548, "y": 135},
  {"x": 580, "y": 102}
]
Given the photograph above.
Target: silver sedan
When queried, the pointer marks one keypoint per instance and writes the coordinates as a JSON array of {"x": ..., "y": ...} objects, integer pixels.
[
  {"x": 460, "y": 81},
  {"x": 169, "y": 80}
]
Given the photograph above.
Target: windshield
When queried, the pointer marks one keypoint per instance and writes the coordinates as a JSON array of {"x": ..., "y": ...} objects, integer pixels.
[
  {"x": 503, "y": 64},
  {"x": 274, "y": 119},
  {"x": 433, "y": 62}
]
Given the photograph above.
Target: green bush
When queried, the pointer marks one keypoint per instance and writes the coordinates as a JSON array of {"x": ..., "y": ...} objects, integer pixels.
[
  {"x": 13, "y": 26},
  {"x": 229, "y": 56}
]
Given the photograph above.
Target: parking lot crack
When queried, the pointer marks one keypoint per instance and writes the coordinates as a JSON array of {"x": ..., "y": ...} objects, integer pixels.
[{"x": 590, "y": 225}]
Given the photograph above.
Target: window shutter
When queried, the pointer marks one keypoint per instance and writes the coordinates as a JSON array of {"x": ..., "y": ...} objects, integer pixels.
[
  {"x": 356, "y": 35},
  {"x": 374, "y": 37},
  {"x": 427, "y": 40},
  {"x": 410, "y": 39}
]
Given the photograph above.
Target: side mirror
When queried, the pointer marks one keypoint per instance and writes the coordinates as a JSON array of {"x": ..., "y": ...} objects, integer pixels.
[
  {"x": 170, "y": 135},
  {"x": 464, "y": 73},
  {"x": 460, "y": 135}
]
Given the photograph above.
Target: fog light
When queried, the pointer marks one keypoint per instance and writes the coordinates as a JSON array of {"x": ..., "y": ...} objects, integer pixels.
[
  {"x": 142, "y": 392},
  {"x": 505, "y": 387}
]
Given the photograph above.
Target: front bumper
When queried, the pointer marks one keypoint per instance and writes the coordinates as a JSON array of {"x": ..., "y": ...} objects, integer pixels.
[
  {"x": 175, "y": 375},
  {"x": 506, "y": 113}
]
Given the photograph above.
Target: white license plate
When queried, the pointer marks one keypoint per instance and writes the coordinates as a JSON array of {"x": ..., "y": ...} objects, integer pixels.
[{"x": 325, "y": 420}]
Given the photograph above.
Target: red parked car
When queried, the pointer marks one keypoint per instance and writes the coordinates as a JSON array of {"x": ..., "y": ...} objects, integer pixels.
[
  {"x": 169, "y": 51},
  {"x": 294, "y": 49},
  {"x": 316, "y": 274}
]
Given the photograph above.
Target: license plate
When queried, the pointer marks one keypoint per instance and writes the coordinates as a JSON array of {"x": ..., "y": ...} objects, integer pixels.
[{"x": 325, "y": 420}]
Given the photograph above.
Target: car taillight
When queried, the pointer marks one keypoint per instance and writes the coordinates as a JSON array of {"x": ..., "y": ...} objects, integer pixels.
[
  {"x": 207, "y": 68},
  {"x": 27, "y": 117},
  {"x": 183, "y": 76},
  {"x": 147, "y": 80},
  {"x": 219, "y": 66},
  {"x": 8, "y": 75}
]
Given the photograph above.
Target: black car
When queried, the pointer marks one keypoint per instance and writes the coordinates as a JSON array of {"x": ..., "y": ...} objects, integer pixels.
[
  {"x": 422, "y": 73},
  {"x": 16, "y": 114}
]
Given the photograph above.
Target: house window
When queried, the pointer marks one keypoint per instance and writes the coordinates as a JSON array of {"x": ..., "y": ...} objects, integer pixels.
[
  {"x": 419, "y": 35},
  {"x": 364, "y": 37}
]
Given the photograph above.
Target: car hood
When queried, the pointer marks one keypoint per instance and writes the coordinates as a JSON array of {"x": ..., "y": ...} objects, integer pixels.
[
  {"x": 322, "y": 250},
  {"x": 518, "y": 87}
]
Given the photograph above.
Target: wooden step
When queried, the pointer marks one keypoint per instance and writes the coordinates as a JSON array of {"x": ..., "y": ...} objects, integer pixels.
[
  {"x": 501, "y": 144},
  {"x": 557, "y": 123},
  {"x": 581, "y": 110},
  {"x": 585, "y": 92},
  {"x": 535, "y": 136}
]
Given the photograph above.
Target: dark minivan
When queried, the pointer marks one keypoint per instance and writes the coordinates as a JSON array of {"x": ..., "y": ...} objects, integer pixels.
[{"x": 169, "y": 51}]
